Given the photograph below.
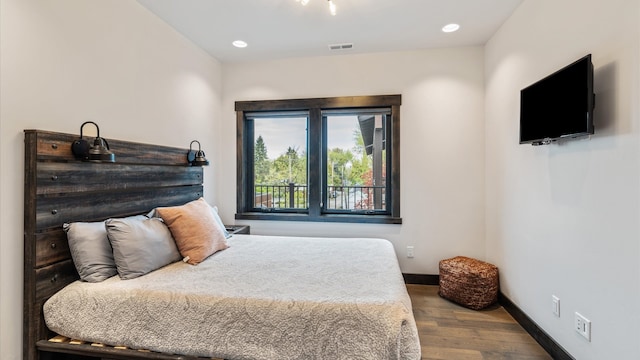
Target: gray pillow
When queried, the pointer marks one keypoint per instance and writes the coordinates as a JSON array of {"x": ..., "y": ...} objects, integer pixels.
[
  {"x": 140, "y": 245},
  {"x": 90, "y": 250}
]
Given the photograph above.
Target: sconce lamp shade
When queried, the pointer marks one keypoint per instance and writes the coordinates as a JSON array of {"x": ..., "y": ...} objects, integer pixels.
[
  {"x": 196, "y": 158},
  {"x": 98, "y": 152}
]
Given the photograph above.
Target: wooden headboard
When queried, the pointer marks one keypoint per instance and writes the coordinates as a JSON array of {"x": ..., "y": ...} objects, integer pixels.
[{"x": 58, "y": 189}]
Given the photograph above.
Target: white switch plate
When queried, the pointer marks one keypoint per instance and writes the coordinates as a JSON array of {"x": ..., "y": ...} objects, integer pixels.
[
  {"x": 582, "y": 326},
  {"x": 409, "y": 251},
  {"x": 555, "y": 305}
]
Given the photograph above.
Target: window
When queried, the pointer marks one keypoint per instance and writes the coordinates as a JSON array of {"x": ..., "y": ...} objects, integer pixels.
[{"x": 328, "y": 159}]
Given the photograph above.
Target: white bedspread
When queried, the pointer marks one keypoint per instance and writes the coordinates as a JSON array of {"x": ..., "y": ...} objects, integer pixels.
[{"x": 264, "y": 297}]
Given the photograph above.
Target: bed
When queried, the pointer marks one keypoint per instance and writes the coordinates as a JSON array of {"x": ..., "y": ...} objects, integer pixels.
[{"x": 264, "y": 297}]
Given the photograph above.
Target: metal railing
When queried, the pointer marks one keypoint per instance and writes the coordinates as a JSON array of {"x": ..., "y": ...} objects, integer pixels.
[
  {"x": 292, "y": 196},
  {"x": 356, "y": 197}
]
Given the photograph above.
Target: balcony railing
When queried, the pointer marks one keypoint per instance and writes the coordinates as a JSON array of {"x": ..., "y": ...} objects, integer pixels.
[{"x": 292, "y": 196}]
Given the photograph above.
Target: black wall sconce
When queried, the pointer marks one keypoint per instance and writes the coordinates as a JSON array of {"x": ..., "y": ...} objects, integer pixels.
[
  {"x": 196, "y": 158},
  {"x": 98, "y": 152}
]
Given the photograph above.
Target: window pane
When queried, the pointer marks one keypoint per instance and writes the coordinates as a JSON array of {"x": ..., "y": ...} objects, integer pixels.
[
  {"x": 358, "y": 134},
  {"x": 356, "y": 162},
  {"x": 280, "y": 162}
]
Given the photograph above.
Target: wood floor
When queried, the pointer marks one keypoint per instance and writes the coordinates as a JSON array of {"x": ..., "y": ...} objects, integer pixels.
[{"x": 452, "y": 332}]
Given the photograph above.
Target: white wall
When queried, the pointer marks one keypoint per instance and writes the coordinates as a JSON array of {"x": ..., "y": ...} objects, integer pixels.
[
  {"x": 563, "y": 219},
  {"x": 442, "y": 142},
  {"x": 67, "y": 61}
]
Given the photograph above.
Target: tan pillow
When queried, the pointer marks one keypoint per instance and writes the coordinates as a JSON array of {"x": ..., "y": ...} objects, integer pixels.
[{"x": 196, "y": 232}]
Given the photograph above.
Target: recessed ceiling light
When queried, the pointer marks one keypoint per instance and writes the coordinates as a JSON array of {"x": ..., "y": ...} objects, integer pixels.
[
  {"x": 450, "y": 28},
  {"x": 239, "y": 44}
]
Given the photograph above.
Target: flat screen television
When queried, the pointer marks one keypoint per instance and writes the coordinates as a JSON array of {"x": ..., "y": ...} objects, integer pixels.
[{"x": 558, "y": 106}]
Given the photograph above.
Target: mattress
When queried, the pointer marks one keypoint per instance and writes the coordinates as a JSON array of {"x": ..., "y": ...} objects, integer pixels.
[{"x": 264, "y": 297}]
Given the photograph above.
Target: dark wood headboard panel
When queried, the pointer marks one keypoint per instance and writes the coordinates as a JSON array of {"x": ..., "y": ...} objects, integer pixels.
[{"x": 59, "y": 188}]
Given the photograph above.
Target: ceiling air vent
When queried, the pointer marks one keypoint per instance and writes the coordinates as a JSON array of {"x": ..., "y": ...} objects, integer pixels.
[{"x": 341, "y": 46}]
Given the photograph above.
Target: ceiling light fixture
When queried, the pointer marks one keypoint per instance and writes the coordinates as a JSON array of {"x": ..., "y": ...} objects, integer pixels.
[
  {"x": 450, "y": 28},
  {"x": 332, "y": 5},
  {"x": 239, "y": 44}
]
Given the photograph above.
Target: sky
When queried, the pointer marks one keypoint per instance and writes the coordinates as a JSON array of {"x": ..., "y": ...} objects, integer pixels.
[{"x": 282, "y": 133}]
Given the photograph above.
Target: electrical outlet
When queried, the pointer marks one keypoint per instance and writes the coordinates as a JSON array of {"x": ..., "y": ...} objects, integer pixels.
[
  {"x": 409, "y": 251},
  {"x": 582, "y": 326},
  {"x": 555, "y": 305}
]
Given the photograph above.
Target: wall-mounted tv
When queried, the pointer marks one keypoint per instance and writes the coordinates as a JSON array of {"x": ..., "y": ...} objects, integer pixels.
[{"x": 559, "y": 106}]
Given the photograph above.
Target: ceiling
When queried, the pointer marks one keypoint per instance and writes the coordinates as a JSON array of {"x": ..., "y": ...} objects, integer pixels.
[{"x": 284, "y": 28}]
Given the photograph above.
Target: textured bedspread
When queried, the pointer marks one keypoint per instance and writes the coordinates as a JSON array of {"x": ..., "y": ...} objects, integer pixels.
[{"x": 263, "y": 298}]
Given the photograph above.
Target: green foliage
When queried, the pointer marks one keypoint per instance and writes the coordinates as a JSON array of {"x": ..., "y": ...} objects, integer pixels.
[
  {"x": 339, "y": 166},
  {"x": 361, "y": 163},
  {"x": 261, "y": 161},
  {"x": 345, "y": 167},
  {"x": 288, "y": 167}
]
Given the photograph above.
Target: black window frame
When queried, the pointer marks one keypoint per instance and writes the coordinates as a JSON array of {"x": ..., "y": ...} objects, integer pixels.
[{"x": 315, "y": 151}]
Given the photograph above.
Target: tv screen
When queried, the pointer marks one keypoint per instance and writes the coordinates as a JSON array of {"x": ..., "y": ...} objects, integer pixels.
[{"x": 558, "y": 106}]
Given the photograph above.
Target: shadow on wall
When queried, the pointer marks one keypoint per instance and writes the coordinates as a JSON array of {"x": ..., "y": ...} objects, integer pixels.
[
  {"x": 570, "y": 161},
  {"x": 605, "y": 83}
]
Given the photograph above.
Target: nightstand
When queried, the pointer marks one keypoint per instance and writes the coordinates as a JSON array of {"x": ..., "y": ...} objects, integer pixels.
[{"x": 238, "y": 229}]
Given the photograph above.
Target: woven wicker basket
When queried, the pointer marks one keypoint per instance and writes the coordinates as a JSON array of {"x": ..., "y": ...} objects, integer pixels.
[{"x": 469, "y": 282}]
